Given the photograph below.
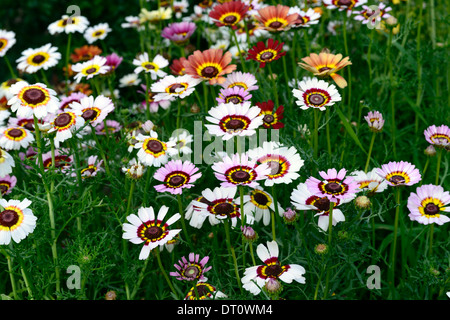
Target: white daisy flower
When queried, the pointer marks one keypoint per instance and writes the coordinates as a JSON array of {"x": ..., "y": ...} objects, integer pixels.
[
  {"x": 129, "y": 80},
  {"x": 132, "y": 22},
  {"x": 93, "y": 110},
  {"x": 370, "y": 181},
  {"x": 32, "y": 99},
  {"x": 65, "y": 124},
  {"x": 17, "y": 221},
  {"x": 69, "y": 25},
  {"x": 229, "y": 120},
  {"x": 98, "y": 32},
  {"x": 284, "y": 162},
  {"x": 306, "y": 18},
  {"x": 154, "y": 67},
  {"x": 7, "y": 40},
  {"x": 259, "y": 204},
  {"x": 89, "y": 69},
  {"x": 6, "y": 163},
  {"x": 181, "y": 144},
  {"x": 171, "y": 87},
  {"x": 32, "y": 60},
  {"x": 257, "y": 277},
  {"x": 152, "y": 151},
  {"x": 14, "y": 138},
  {"x": 316, "y": 93},
  {"x": 152, "y": 232}
]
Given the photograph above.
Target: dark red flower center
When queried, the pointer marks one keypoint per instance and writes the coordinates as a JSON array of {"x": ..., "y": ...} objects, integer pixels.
[
  {"x": 15, "y": 133},
  {"x": 333, "y": 187},
  {"x": 323, "y": 204},
  {"x": 316, "y": 99},
  {"x": 397, "y": 179},
  {"x": 240, "y": 176},
  {"x": 268, "y": 118},
  {"x": 63, "y": 120},
  {"x": 176, "y": 181},
  {"x": 431, "y": 209},
  {"x": 261, "y": 198},
  {"x": 155, "y": 146},
  {"x": 8, "y": 218},
  {"x": 224, "y": 208},
  {"x": 153, "y": 232},
  {"x": 266, "y": 55},
  {"x": 235, "y": 124},
  {"x": 209, "y": 72},
  {"x": 229, "y": 19},
  {"x": 275, "y": 24},
  {"x": 91, "y": 70},
  {"x": 89, "y": 114},
  {"x": 39, "y": 58},
  {"x": 173, "y": 88},
  {"x": 33, "y": 96},
  {"x": 273, "y": 270}
]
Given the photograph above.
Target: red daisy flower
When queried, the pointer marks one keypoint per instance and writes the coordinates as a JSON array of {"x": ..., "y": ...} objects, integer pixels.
[
  {"x": 271, "y": 119},
  {"x": 177, "y": 67},
  {"x": 264, "y": 54},
  {"x": 229, "y": 13},
  {"x": 276, "y": 18}
]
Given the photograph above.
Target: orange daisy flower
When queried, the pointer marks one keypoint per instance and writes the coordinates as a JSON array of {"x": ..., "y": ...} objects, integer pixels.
[
  {"x": 326, "y": 64},
  {"x": 276, "y": 18},
  {"x": 229, "y": 13},
  {"x": 85, "y": 53},
  {"x": 209, "y": 65}
]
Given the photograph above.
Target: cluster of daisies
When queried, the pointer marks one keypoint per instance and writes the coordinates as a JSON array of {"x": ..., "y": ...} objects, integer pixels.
[{"x": 73, "y": 117}]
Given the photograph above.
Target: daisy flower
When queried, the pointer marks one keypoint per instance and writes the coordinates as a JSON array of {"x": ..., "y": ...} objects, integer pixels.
[
  {"x": 65, "y": 124},
  {"x": 113, "y": 61},
  {"x": 316, "y": 93},
  {"x": 234, "y": 95},
  {"x": 85, "y": 53},
  {"x": 426, "y": 204},
  {"x": 399, "y": 173},
  {"x": 35, "y": 99},
  {"x": 7, "y": 184},
  {"x": 265, "y": 54},
  {"x": 94, "y": 166},
  {"x": 259, "y": 204},
  {"x": 152, "y": 151},
  {"x": 129, "y": 80},
  {"x": 17, "y": 221},
  {"x": 375, "y": 121},
  {"x": 176, "y": 175},
  {"x": 152, "y": 232},
  {"x": 369, "y": 181},
  {"x": 305, "y": 18},
  {"x": 6, "y": 163},
  {"x": 143, "y": 63},
  {"x": 256, "y": 278},
  {"x": 276, "y": 18},
  {"x": 366, "y": 16},
  {"x": 205, "y": 291},
  {"x": 171, "y": 87},
  {"x": 210, "y": 65},
  {"x": 244, "y": 80},
  {"x": 91, "y": 68},
  {"x": 93, "y": 110},
  {"x": 284, "y": 162},
  {"x": 239, "y": 170},
  {"x": 67, "y": 101},
  {"x": 134, "y": 170},
  {"x": 97, "y": 32},
  {"x": 229, "y": 120},
  {"x": 132, "y": 22},
  {"x": 271, "y": 118},
  {"x": 110, "y": 126},
  {"x": 229, "y": 13},
  {"x": 326, "y": 64},
  {"x": 303, "y": 199},
  {"x": 15, "y": 137},
  {"x": 438, "y": 136},
  {"x": 7, "y": 40},
  {"x": 343, "y": 4},
  {"x": 180, "y": 8},
  {"x": 177, "y": 67},
  {"x": 193, "y": 269},
  {"x": 335, "y": 185},
  {"x": 68, "y": 25},
  {"x": 63, "y": 161},
  {"x": 215, "y": 205},
  {"x": 33, "y": 60},
  {"x": 179, "y": 32},
  {"x": 181, "y": 143}
]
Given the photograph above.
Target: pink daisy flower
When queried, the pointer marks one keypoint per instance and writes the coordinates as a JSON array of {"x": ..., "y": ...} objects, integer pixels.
[
  {"x": 335, "y": 185},
  {"x": 399, "y": 173},
  {"x": 7, "y": 184},
  {"x": 246, "y": 81},
  {"x": 192, "y": 269},
  {"x": 179, "y": 32},
  {"x": 176, "y": 175},
  {"x": 426, "y": 204},
  {"x": 240, "y": 170},
  {"x": 438, "y": 136},
  {"x": 234, "y": 95}
]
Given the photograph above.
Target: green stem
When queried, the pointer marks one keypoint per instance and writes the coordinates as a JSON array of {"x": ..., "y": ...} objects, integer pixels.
[
  {"x": 183, "y": 222},
  {"x": 370, "y": 152},
  {"x": 328, "y": 132},
  {"x": 430, "y": 248},
  {"x": 233, "y": 32},
  {"x": 164, "y": 273},
  {"x": 232, "y": 253},
  {"x": 69, "y": 38},
  {"x": 102, "y": 152},
  {"x": 394, "y": 240},
  {"x": 11, "y": 70},
  {"x": 79, "y": 178},
  {"x": 140, "y": 278},
  {"x": 274, "y": 85},
  {"x": 11, "y": 274},
  {"x": 330, "y": 223},
  {"x": 316, "y": 133},
  {"x": 438, "y": 166},
  {"x": 277, "y": 213}
]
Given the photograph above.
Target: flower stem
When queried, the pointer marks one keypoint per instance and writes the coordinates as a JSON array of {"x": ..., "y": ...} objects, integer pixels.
[
  {"x": 274, "y": 85},
  {"x": 102, "y": 152},
  {"x": 11, "y": 274},
  {"x": 232, "y": 253},
  {"x": 11, "y": 70},
  {"x": 275, "y": 203},
  {"x": 438, "y": 166},
  {"x": 158, "y": 257},
  {"x": 330, "y": 223},
  {"x": 183, "y": 222},
  {"x": 316, "y": 134},
  {"x": 69, "y": 38},
  {"x": 370, "y": 152},
  {"x": 394, "y": 240},
  {"x": 140, "y": 278},
  {"x": 430, "y": 248},
  {"x": 233, "y": 32}
]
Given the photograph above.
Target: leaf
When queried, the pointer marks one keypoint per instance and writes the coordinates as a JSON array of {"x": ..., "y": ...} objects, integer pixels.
[{"x": 349, "y": 129}]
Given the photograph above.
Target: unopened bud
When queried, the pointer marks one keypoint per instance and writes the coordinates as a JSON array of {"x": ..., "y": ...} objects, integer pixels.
[
  {"x": 110, "y": 295},
  {"x": 249, "y": 233},
  {"x": 273, "y": 286},
  {"x": 430, "y": 151},
  {"x": 321, "y": 248},
  {"x": 362, "y": 202},
  {"x": 290, "y": 216}
]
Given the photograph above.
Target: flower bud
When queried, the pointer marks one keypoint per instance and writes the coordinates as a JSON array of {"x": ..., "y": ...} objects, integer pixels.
[
  {"x": 290, "y": 216},
  {"x": 430, "y": 151},
  {"x": 321, "y": 248},
  {"x": 249, "y": 233},
  {"x": 362, "y": 202},
  {"x": 273, "y": 286}
]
